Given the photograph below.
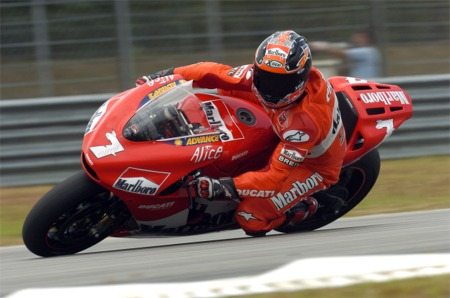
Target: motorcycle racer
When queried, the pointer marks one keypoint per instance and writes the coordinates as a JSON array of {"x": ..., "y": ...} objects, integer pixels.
[{"x": 305, "y": 115}]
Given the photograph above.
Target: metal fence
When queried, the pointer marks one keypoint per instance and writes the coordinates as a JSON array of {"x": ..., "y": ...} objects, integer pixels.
[
  {"x": 40, "y": 139},
  {"x": 63, "y": 47}
]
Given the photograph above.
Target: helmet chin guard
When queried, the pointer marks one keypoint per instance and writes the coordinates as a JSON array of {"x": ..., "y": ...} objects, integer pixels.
[{"x": 279, "y": 103}]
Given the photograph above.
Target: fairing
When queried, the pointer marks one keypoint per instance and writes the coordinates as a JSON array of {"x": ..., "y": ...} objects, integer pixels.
[
  {"x": 371, "y": 112},
  {"x": 146, "y": 140}
]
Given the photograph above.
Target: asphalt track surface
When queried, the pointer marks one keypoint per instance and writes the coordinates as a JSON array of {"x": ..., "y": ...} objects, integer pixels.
[{"x": 223, "y": 254}]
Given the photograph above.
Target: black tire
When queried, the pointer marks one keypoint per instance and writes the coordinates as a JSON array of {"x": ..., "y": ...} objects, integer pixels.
[
  {"x": 357, "y": 178},
  {"x": 71, "y": 217}
]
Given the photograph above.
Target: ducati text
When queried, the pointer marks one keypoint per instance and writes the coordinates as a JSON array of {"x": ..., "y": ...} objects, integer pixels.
[{"x": 255, "y": 193}]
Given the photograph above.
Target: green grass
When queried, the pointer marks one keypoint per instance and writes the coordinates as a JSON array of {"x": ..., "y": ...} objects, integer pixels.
[
  {"x": 409, "y": 184},
  {"x": 15, "y": 203},
  {"x": 403, "y": 185}
]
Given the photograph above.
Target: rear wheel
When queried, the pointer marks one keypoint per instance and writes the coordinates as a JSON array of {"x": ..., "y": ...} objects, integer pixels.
[
  {"x": 74, "y": 215},
  {"x": 356, "y": 179}
]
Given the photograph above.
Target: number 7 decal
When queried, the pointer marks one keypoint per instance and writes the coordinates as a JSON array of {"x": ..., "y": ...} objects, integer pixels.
[{"x": 388, "y": 124}]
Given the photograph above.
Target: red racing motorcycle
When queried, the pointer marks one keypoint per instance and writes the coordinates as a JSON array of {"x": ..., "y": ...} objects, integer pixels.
[{"x": 143, "y": 147}]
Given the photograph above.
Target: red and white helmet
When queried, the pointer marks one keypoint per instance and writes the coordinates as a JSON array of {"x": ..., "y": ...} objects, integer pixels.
[{"x": 281, "y": 69}]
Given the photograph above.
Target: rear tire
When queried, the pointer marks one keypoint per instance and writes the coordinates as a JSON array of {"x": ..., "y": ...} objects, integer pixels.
[
  {"x": 357, "y": 178},
  {"x": 71, "y": 217}
]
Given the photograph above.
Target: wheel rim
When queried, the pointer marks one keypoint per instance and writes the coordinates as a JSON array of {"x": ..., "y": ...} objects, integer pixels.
[{"x": 80, "y": 224}]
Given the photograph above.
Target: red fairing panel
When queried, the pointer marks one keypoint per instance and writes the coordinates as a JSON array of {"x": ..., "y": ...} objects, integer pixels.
[
  {"x": 380, "y": 110},
  {"x": 146, "y": 173}
]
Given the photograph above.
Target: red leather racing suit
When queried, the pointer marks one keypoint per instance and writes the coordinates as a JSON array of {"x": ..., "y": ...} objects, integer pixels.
[{"x": 307, "y": 159}]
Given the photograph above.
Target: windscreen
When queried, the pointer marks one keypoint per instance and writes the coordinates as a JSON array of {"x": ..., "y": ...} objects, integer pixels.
[{"x": 160, "y": 118}]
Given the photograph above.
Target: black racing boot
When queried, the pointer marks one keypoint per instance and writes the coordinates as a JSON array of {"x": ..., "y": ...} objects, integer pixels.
[{"x": 332, "y": 200}]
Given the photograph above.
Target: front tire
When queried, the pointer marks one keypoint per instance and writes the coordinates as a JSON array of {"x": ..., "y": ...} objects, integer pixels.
[
  {"x": 357, "y": 178},
  {"x": 74, "y": 215}
]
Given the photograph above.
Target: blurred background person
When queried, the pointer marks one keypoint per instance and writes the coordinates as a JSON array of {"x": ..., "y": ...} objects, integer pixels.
[{"x": 362, "y": 59}]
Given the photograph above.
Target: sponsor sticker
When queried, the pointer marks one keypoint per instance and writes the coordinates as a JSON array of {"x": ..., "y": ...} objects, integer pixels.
[
  {"x": 299, "y": 188},
  {"x": 277, "y": 52},
  {"x": 256, "y": 193},
  {"x": 246, "y": 216},
  {"x": 110, "y": 149},
  {"x": 205, "y": 153},
  {"x": 232, "y": 71},
  {"x": 197, "y": 140},
  {"x": 215, "y": 120},
  {"x": 160, "y": 80},
  {"x": 239, "y": 155},
  {"x": 288, "y": 162},
  {"x": 239, "y": 72},
  {"x": 96, "y": 118},
  {"x": 140, "y": 181},
  {"x": 296, "y": 136},
  {"x": 161, "y": 90},
  {"x": 291, "y": 157},
  {"x": 386, "y": 97},
  {"x": 202, "y": 140},
  {"x": 274, "y": 64},
  {"x": 162, "y": 206}
]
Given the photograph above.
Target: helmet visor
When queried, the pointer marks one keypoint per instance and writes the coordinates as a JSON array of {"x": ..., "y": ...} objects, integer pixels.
[{"x": 274, "y": 87}]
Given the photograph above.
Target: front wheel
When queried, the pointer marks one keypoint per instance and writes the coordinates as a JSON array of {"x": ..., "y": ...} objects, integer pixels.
[
  {"x": 357, "y": 179},
  {"x": 74, "y": 215}
]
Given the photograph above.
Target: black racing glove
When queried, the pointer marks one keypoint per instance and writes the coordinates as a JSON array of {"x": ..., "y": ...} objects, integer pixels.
[
  {"x": 155, "y": 75},
  {"x": 211, "y": 189}
]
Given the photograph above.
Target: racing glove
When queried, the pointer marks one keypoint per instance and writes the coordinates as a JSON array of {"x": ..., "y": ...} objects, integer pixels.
[
  {"x": 155, "y": 75},
  {"x": 211, "y": 189}
]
